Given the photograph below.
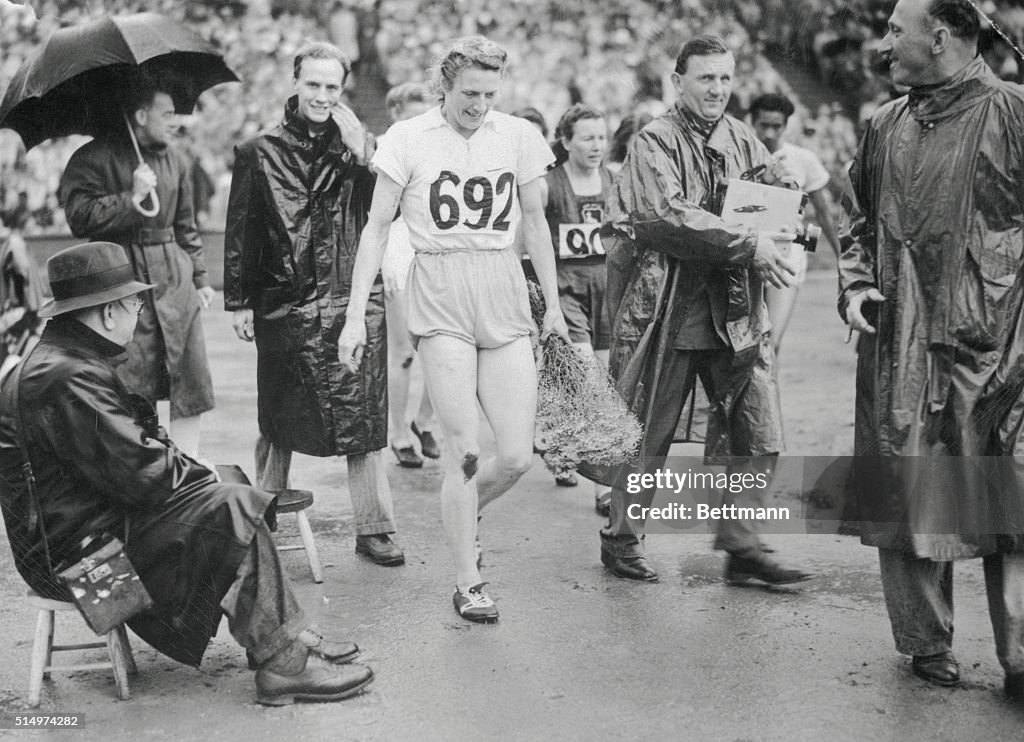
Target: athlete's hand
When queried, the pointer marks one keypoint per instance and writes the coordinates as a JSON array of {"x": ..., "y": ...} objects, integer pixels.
[
  {"x": 351, "y": 343},
  {"x": 554, "y": 322},
  {"x": 206, "y": 294},
  {"x": 242, "y": 322},
  {"x": 392, "y": 285}
]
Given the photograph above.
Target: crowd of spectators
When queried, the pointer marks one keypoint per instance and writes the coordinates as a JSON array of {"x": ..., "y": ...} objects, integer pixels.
[
  {"x": 840, "y": 38},
  {"x": 613, "y": 54},
  {"x": 258, "y": 42}
]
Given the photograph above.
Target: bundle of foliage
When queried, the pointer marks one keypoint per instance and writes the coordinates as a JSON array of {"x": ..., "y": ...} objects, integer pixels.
[{"x": 580, "y": 415}]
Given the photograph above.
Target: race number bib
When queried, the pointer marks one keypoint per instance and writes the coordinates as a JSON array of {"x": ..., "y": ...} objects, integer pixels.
[
  {"x": 579, "y": 240},
  {"x": 481, "y": 204}
]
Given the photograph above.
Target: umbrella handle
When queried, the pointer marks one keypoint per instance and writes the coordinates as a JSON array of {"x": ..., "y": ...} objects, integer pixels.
[{"x": 137, "y": 200}]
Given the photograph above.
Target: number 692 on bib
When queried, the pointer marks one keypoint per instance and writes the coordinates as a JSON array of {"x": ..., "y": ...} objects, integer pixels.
[{"x": 474, "y": 205}]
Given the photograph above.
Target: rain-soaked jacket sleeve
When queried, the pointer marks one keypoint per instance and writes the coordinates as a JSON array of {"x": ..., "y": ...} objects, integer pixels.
[
  {"x": 859, "y": 239},
  {"x": 89, "y": 206},
  {"x": 186, "y": 232},
  {"x": 653, "y": 199},
  {"x": 244, "y": 233}
]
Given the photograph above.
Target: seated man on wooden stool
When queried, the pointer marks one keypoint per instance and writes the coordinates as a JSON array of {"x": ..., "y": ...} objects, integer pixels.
[{"x": 200, "y": 546}]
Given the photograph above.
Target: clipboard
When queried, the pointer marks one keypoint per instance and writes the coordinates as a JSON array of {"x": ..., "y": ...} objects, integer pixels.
[{"x": 762, "y": 207}]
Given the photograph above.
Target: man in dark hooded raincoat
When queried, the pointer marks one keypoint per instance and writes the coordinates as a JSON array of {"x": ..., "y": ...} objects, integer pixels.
[
  {"x": 300, "y": 195},
  {"x": 686, "y": 300},
  {"x": 933, "y": 278}
]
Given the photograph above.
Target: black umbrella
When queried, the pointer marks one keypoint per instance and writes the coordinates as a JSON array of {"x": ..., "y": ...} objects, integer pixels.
[{"x": 71, "y": 84}]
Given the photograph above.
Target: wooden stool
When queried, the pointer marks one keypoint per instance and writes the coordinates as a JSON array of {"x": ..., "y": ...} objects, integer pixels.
[
  {"x": 296, "y": 501},
  {"x": 119, "y": 650}
]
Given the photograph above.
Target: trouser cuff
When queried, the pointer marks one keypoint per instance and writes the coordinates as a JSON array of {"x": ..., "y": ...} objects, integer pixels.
[
  {"x": 284, "y": 635},
  {"x": 375, "y": 529}
]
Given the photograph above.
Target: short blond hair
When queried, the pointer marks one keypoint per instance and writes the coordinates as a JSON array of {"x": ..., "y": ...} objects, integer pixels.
[
  {"x": 320, "y": 50},
  {"x": 468, "y": 52}
]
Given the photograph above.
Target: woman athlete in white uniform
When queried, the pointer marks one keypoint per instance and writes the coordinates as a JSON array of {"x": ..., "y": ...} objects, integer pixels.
[{"x": 462, "y": 175}]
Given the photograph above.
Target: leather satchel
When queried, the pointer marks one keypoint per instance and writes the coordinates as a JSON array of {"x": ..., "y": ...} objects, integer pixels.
[{"x": 104, "y": 585}]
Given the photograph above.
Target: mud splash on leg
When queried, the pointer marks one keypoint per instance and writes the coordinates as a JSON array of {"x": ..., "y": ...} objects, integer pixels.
[{"x": 469, "y": 466}]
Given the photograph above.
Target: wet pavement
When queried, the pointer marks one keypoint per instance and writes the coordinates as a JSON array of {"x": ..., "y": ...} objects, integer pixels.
[{"x": 578, "y": 654}]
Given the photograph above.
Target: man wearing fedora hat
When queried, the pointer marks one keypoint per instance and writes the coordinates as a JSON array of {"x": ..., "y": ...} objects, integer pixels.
[{"x": 101, "y": 464}]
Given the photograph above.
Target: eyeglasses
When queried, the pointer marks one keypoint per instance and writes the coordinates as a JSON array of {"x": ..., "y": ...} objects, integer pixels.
[{"x": 134, "y": 303}]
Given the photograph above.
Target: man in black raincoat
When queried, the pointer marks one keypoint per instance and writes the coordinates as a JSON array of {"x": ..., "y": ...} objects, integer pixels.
[
  {"x": 686, "y": 300},
  {"x": 300, "y": 195},
  {"x": 933, "y": 276},
  {"x": 102, "y": 464}
]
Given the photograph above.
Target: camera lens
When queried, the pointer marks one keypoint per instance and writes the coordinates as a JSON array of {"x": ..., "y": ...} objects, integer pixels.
[{"x": 808, "y": 237}]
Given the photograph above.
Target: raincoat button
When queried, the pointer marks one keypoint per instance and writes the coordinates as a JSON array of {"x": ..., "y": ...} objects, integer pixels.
[{"x": 908, "y": 243}]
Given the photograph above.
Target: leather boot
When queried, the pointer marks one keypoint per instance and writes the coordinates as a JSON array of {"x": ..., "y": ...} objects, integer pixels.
[{"x": 624, "y": 557}]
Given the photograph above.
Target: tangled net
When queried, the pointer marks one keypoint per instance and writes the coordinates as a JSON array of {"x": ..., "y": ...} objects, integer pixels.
[{"x": 580, "y": 415}]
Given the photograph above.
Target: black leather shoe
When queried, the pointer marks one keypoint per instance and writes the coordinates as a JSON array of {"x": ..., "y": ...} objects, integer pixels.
[
  {"x": 940, "y": 669},
  {"x": 626, "y": 559},
  {"x": 407, "y": 457},
  {"x": 319, "y": 681},
  {"x": 428, "y": 445},
  {"x": 339, "y": 653},
  {"x": 740, "y": 570},
  {"x": 1013, "y": 685},
  {"x": 379, "y": 548}
]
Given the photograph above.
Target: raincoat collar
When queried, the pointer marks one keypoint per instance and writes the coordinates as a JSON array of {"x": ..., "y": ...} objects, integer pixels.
[
  {"x": 119, "y": 137},
  {"x": 717, "y": 138},
  {"x": 965, "y": 89},
  {"x": 694, "y": 124},
  {"x": 72, "y": 334},
  {"x": 297, "y": 126}
]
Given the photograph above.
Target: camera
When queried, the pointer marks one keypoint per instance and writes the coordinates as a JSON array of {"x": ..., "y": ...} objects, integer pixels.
[
  {"x": 807, "y": 237},
  {"x": 806, "y": 234}
]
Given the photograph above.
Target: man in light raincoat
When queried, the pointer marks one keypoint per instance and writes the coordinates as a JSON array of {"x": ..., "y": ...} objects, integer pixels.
[
  {"x": 933, "y": 277},
  {"x": 102, "y": 192}
]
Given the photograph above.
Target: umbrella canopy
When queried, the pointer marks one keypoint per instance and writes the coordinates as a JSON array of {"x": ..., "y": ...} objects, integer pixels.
[{"x": 70, "y": 85}]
